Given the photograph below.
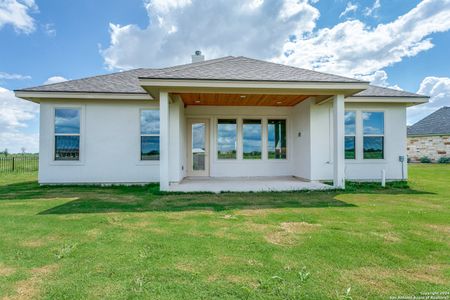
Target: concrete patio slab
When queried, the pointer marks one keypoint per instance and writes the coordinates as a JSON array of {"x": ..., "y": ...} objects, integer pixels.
[{"x": 246, "y": 184}]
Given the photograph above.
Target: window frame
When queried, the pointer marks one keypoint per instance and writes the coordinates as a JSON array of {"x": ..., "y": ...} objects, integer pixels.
[
  {"x": 237, "y": 138},
  {"x": 148, "y": 134},
  {"x": 52, "y": 153},
  {"x": 383, "y": 136},
  {"x": 261, "y": 138},
  {"x": 268, "y": 119},
  {"x": 352, "y": 135}
]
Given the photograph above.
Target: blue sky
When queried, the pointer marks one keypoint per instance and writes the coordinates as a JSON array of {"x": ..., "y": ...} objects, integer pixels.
[{"x": 395, "y": 43}]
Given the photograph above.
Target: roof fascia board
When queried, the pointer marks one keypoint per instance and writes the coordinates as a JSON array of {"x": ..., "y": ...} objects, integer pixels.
[
  {"x": 35, "y": 95},
  {"x": 171, "y": 83},
  {"x": 388, "y": 99}
]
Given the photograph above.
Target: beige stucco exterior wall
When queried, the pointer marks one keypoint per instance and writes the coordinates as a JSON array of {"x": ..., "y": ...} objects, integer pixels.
[{"x": 434, "y": 147}]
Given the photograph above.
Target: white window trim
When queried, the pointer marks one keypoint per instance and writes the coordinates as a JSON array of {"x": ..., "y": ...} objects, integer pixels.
[
  {"x": 242, "y": 136},
  {"x": 287, "y": 139},
  {"x": 216, "y": 143},
  {"x": 82, "y": 152},
  {"x": 239, "y": 142},
  {"x": 140, "y": 161},
  {"x": 352, "y": 135},
  {"x": 373, "y": 135}
]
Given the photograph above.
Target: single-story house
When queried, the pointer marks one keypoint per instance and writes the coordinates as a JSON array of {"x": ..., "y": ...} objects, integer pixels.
[
  {"x": 430, "y": 137},
  {"x": 253, "y": 120}
]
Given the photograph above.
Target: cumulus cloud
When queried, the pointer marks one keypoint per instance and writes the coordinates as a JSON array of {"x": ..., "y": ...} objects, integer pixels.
[
  {"x": 352, "y": 48},
  {"x": 14, "y": 115},
  {"x": 379, "y": 78},
  {"x": 438, "y": 88},
  {"x": 55, "y": 79},
  {"x": 349, "y": 9},
  {"x": 224, "y": 27},
  {"x": 17, "y": 14},
  {"x": 8, "y": 76},
  {"x": 370, "y": 11}
]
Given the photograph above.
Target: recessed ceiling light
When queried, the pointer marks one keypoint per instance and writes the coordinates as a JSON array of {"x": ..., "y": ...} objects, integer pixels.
[
  {"x": 279, "y": 102},
  {"x": 197, "y": 101},
  {"x": 243, "y": 96}
]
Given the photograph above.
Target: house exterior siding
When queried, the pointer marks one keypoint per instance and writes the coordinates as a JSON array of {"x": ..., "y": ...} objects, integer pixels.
[{"x": 110, "y": 142}]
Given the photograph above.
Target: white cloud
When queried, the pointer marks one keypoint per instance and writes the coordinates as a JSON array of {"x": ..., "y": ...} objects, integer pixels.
[
  {"x": 379, "y": 78},
  {"x": 349, "y": 9},
  {"x": 49, "y": 29},
  {"x": 14, "y": 115},
  {"x": 223, "y": 27},
  {"x": 438, "y": 88},
  {"x": 352, "y": 48},
  {"x": 8, "y": 76},
  {"x": 55, "y": 79},
  {"x": 369, "y": 11},
  {"x": 17, "y": 14}
]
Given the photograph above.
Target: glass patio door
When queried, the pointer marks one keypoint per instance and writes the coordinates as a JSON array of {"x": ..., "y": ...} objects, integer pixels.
[{"x": 198, "y": 147}]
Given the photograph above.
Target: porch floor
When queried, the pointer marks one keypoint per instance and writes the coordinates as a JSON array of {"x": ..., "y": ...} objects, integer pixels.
[{"x": 245, "y": 184}]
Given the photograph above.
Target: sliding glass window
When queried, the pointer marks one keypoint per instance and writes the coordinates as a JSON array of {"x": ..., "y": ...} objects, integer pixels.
[
  {"x": 350, "y": 134},
  {"x": 252, "y": 139},
  {"x": 276, "y": 139},
  {"x": 67, "y": 134},
  {"x": 226, "y": 138},
  {"x": 373, "y": 130}
]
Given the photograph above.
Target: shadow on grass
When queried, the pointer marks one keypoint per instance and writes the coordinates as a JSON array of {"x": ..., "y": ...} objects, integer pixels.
[{"x": 97, "y": 199}]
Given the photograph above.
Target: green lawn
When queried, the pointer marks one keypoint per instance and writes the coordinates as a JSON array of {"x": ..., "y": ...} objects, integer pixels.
[{"x": 134, "y": 242}]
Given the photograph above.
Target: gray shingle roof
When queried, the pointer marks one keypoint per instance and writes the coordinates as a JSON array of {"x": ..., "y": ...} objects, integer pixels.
[
  {"x": 225, "y": 68},
  {"x": 243, "y": 68},
  {"x": 378, "y": 91},
  {"x": 435, "y": 123}
]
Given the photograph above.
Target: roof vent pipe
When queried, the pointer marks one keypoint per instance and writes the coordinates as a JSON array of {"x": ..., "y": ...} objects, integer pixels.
[{"x": 198, "y": 57}]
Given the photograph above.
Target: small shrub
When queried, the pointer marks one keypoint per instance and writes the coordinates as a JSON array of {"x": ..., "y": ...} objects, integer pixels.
[
  {"x": 425, "y": 160},
  {"x": 444, "y": 160}
]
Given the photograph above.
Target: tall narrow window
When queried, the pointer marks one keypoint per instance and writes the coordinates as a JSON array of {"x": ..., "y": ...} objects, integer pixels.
[
  {"x": 226, "y": 139},
  {"x": 373, "y": 130},
  {"x": 350, "y": 133},
  {"x": 251, "y": 135},
  {"x": 67, "y": 134},
  {"x": 150, "y": 134},
  {"x": 276, "y": 139}
]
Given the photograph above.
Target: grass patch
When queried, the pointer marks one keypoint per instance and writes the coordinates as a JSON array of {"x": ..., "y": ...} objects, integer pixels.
[{"x": 368, "y": 242}]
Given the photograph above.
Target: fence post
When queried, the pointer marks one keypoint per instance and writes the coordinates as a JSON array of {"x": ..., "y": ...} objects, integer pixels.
[{"x": 13, "y": 162}]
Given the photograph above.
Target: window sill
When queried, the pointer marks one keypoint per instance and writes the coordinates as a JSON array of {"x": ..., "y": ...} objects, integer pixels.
[
  {"x": 148, "y": 163},
  {"x": 66, "y": 163},
  {"x": 366, "y": 161}
]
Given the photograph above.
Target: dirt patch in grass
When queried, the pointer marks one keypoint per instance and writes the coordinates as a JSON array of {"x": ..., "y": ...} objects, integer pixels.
[
  {"x": 36, "y": 243},
  {"x": 388, "y": 237},
  {"x": 440, "y": 228},
  {"x": 6, "y": 271},
  {"x": 383, "y": 279},
  {"x": 30, "y": 288},
  {"x": 186, "y": 267},
  {"x": 287, "y": 231}
]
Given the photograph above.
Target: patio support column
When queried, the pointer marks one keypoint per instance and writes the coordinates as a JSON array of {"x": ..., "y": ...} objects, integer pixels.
[
  {"x": 164, "y": 140},
  {"x": 338, "y": 141}
]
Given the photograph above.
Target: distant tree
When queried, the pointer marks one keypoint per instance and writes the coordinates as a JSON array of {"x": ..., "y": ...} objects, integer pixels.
[
  {"x": 23, "y": 149},
  {"x": 5, "y": 152}
]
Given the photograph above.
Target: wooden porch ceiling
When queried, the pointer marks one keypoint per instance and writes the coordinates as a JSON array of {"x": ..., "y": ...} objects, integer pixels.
[{"x": 241, "y": 99}]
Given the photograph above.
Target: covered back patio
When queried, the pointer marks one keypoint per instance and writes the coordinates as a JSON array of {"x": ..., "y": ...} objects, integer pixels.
[{"x": 276, "y": 109}]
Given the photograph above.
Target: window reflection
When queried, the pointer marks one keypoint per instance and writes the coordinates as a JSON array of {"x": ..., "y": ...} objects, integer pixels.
[
  {"x": 276, "y": 139},
  {"x": 226, "y": 139},
  {"x": 252, "y": 139}
]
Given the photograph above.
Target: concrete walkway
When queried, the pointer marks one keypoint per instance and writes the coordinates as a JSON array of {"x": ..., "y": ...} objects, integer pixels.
[{"x": 245, "y": 184}]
